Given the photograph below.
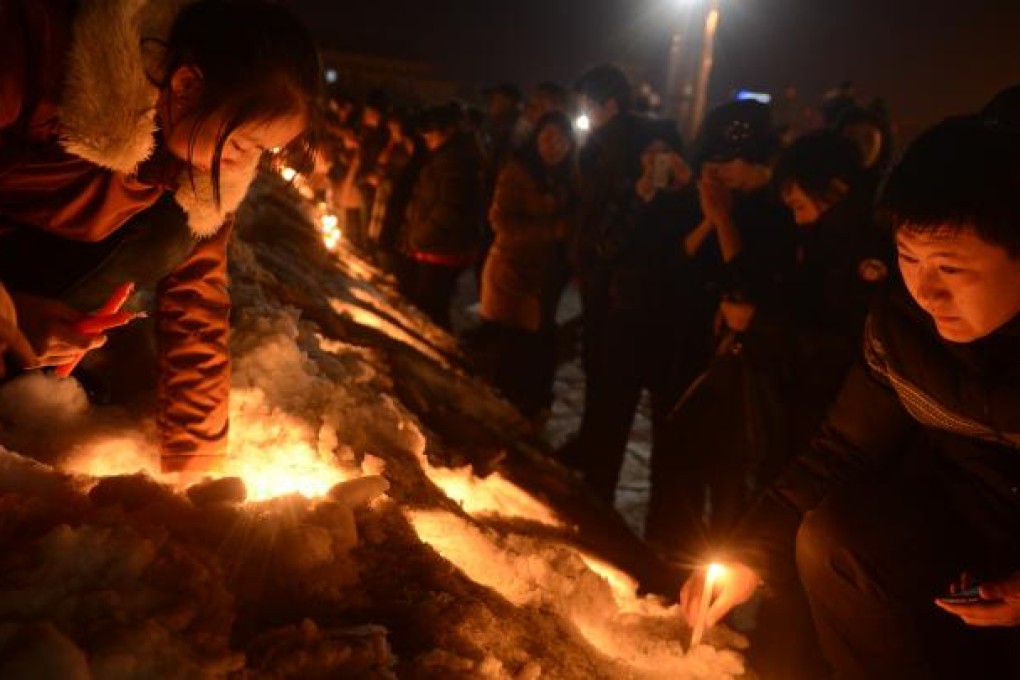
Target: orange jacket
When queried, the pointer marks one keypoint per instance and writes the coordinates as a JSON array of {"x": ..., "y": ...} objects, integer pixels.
[{"x": 76, "y": 123}]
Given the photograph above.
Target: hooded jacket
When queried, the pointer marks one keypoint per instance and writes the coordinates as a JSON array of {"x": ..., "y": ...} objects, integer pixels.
[{"x": 77, "y": 137}]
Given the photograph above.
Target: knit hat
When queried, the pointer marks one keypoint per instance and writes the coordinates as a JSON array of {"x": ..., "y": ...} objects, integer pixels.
[{"x": 737, "y": 129}]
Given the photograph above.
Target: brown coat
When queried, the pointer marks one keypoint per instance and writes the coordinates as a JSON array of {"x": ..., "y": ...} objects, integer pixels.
[
  {"x": 529, "y": 224},
  {"x": 76, "y": 124}
]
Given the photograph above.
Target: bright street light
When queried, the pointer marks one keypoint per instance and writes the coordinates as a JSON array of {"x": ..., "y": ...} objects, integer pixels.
[
  {"x": 688, "y": 87},
  {"x": 707, "y": 59}
]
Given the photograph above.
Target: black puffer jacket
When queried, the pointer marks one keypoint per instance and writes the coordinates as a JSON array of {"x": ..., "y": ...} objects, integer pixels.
[
  {"x": 446, "y": 209},
  {"x": 956, "y": 406}
]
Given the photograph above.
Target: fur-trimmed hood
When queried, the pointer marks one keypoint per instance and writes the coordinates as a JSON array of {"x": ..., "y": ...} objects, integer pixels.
[{"x": 108, "y": 104}]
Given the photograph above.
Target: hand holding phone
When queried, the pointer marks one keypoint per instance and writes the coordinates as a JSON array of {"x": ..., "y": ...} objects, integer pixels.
[
  {"x": 969, "y": 595},
  {"x": 662, "y": 170}
]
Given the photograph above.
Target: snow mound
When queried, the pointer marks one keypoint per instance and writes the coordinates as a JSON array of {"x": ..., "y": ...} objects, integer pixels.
[{"x": 334, "y": 542}]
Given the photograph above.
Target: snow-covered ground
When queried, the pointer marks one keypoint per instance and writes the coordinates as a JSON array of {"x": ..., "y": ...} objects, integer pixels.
[
  {"x": 568, "y": 404},
  {"x": 382, "y": 512}
]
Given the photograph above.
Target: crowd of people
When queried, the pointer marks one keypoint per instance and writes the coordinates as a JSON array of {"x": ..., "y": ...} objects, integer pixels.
[
  {"x": 732, "y": 279},
  {"x": 739, "y": 258},
  {"x": 828, "y": 337}
]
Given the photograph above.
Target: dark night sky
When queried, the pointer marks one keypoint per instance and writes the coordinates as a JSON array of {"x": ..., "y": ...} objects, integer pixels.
[{"x": 928, "y": 58}]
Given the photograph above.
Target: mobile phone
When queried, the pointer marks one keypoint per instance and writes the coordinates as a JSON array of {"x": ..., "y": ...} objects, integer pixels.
[
  {"x": 662, "y": 170},
  {"x": 969, "y": 595}
]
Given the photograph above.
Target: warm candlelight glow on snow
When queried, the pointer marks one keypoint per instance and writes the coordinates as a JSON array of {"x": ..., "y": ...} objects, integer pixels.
[
  {"x": 271, "y": 452},
  {"x": 267, "y": 473},
  {"x": 283, "y": 471},
  {"x": 274, "y": 452},
  {"x": 492, "y": 495},
  {"x": 640, "y": 636},
  {"x": 372, "y": 319},
  {"x": 623, "y": 584},
  {"x": 120, "y": 455}
]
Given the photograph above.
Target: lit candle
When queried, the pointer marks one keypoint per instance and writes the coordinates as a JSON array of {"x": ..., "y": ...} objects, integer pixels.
[
  {"x": 330, "y": 222},
  {"x": 712, "y": 574},
  {"x": 288, "y": 174},
  {"x": 331, "y": 239}
]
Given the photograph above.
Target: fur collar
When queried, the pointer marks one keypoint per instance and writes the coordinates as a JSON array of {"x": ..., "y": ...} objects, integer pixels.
[{"x": 108, "y": 105}]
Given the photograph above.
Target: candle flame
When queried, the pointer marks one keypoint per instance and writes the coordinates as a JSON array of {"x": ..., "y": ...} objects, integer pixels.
[
  {"x": 288, "y": 174},
  {"x": 329, "y": 225},
  {"x": 293, "y": 469},
  {"x": 268, "y": 472}
]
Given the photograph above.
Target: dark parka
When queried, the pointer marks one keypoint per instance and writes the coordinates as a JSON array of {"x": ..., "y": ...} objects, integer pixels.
[
  {"x": 444, "y": 215},
  {"x": 961, "y": 402}
]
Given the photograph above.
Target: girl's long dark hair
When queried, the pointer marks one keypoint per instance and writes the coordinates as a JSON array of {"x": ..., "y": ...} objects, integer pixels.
[
  {"x": 257, "y": 62},
  {"x": 532, "y": 161}
]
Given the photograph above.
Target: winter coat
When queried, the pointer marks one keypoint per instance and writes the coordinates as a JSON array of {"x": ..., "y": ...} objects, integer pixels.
[
  {"x": 76, "y": 129},
  {"x": 444, "y": 215},
  {"x": 627, "y": 246},
  {"x": 392, "y": 194},
  {"x": 956, "y": 406},
  {"x": 807, "y": 331},
  {"x": 528, "y": 221}
]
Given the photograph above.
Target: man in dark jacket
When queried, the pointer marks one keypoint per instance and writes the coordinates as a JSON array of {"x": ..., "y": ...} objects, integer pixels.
[
  {"x": 441, "y": 232},
  {"x": 912, "y": 488},
  {"x": 628, "y": 258}
]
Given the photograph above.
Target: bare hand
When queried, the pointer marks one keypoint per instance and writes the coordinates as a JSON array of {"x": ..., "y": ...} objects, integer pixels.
[
  {"x": 49, "y": 325},
  {"x": 735, "y": 587},
  {"x": 1000, "y": 605},
  {"x": 736, "y": 315},
  {"x": 12, "y": 340},
  {"x": 679, "y": 172},
  {"x": 716, "y": 199}
]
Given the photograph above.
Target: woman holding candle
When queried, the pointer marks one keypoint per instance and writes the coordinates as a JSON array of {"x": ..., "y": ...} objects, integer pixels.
[
  {"x": 129, "y": 132},
  {"x": 912, "y": 488}
]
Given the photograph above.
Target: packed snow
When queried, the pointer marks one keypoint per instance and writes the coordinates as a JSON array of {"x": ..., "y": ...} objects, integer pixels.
[{"x": 348, "y": 534}]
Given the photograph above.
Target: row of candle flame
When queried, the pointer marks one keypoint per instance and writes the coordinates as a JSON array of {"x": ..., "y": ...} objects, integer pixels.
[
  {"x": 329, "y": 226},
  {"x": 328, "y": 221}
]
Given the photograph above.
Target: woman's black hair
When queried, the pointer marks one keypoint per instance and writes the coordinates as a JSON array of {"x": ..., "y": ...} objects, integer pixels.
[
  {"x": 532, "y": 161},
  {"x": 441, "y": 118},
  {"x": 606, "y": 82},
  {"x": 1004, "y": 107},
  {"x": 962, "y": 173},
  {"x": 257, "y": 62},
  {"x": 817, "y": 162},
  {"x": 876, "y": 117}
]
